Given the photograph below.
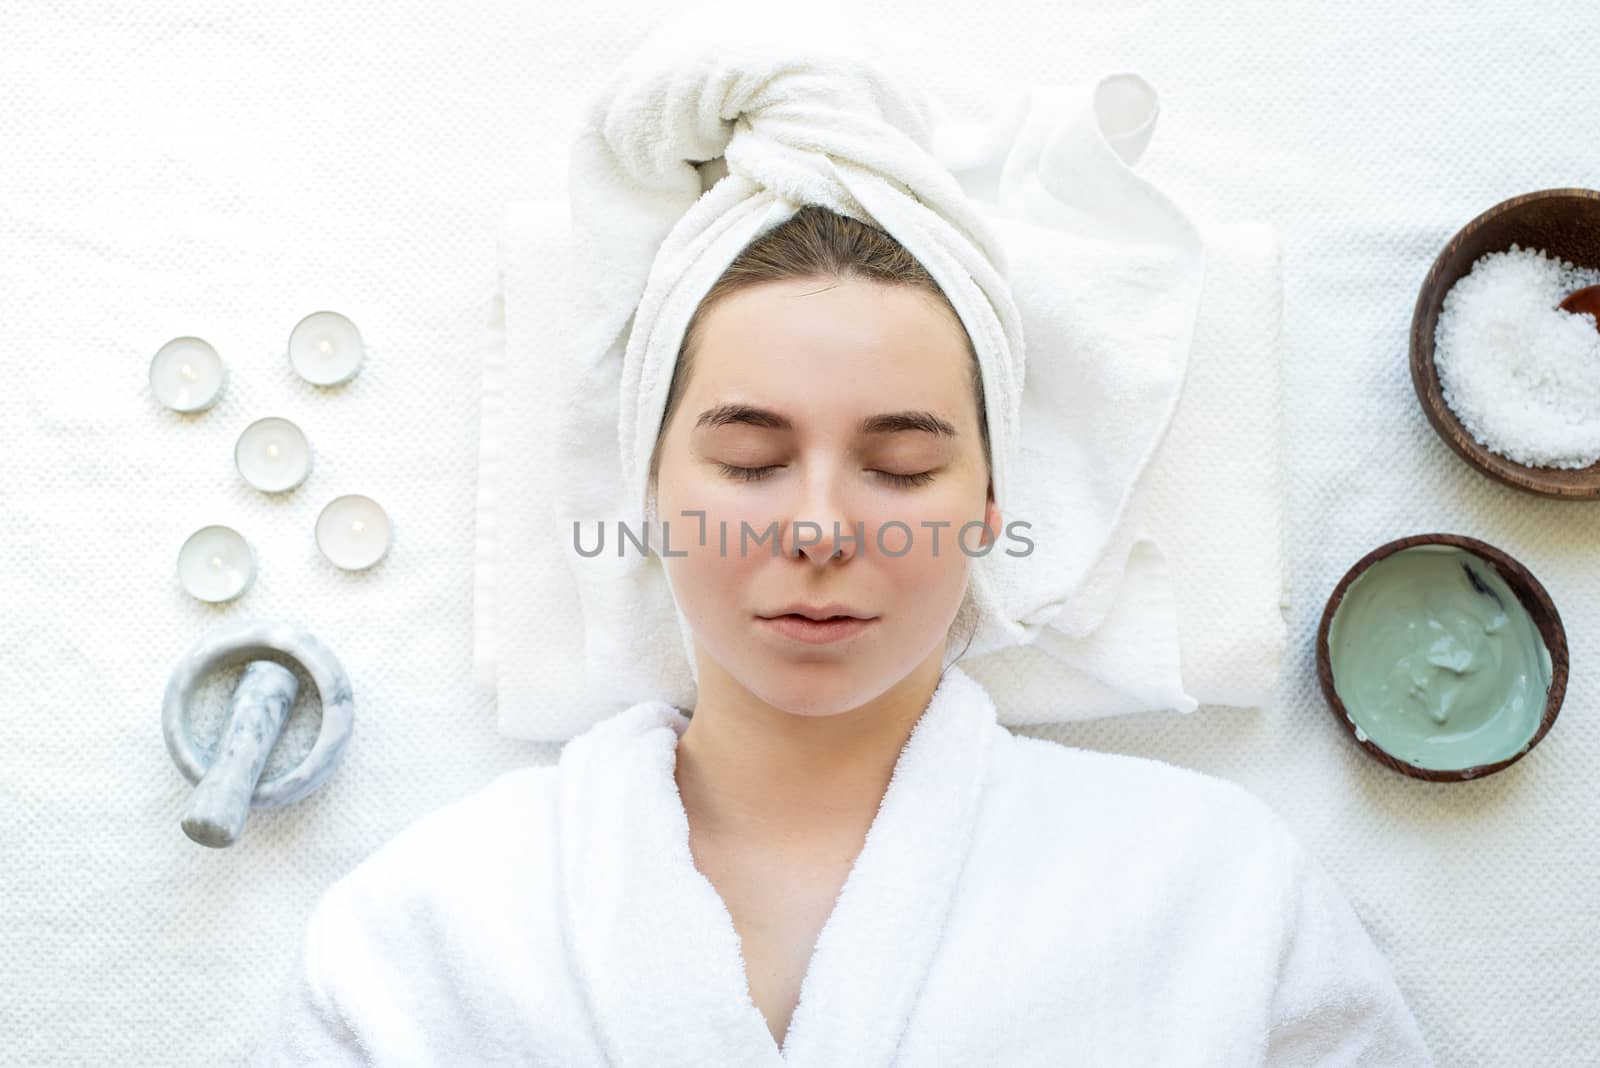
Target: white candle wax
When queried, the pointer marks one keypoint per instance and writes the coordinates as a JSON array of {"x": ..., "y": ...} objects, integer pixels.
[
  {"x": 326, "y": 348},
  {"x": 216, "y": 564},
  {"x": 273, "y": 454},
  {"x": 187, "y": 375},
  {"x": 353, "y": 532}
]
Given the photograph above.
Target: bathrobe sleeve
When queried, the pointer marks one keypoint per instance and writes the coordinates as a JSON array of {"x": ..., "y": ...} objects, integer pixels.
[
  {"x": 317, "y": 1017},
  {"x": 1336, "y": 1003},
  {"x": 368, "y": 985}
]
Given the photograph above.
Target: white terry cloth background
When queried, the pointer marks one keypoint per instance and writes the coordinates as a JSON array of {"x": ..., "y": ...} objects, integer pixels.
[{"x": 224, "y": 168}]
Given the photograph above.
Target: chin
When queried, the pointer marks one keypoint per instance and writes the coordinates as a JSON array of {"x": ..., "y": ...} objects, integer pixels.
[{"x": 818, "y": 687}]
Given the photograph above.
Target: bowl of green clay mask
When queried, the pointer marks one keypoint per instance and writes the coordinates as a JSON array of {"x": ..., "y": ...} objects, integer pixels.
[{"x": 1442, "y": 656}]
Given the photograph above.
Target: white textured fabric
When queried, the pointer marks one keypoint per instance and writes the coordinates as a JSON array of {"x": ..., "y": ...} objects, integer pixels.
[
  {"x": 1015, "y": 902},
  {"x": 1079, "y": 282},
  {"x": 222, "y": 168}
]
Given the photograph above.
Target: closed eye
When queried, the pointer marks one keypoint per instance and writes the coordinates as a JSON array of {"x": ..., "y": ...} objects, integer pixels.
[
  {"x": 756, "y": 474},
  {"x": 907, "y": 480},
  {"x": 746, "y": 474}
]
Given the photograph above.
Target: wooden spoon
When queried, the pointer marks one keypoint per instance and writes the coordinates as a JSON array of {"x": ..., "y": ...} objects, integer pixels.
[{"x": 1583, "y": 301}]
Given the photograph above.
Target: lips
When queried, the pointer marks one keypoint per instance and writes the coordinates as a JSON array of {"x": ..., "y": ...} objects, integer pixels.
[
  {"x": 795, "y": 627},
  {"x": 818, "y": 612}
]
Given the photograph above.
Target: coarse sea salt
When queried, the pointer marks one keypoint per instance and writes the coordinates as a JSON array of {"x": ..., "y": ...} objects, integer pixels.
[{"x": 1521, "y": 374}]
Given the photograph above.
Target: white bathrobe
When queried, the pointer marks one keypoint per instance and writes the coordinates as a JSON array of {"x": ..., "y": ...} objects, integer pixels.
[{"x": 1016, "y": 902}]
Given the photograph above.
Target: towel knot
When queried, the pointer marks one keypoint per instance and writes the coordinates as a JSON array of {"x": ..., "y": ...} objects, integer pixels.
[{"x": 808, "y": 115}]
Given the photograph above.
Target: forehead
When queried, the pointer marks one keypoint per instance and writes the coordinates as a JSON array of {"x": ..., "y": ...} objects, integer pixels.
[{"x": 850, "y": 342}]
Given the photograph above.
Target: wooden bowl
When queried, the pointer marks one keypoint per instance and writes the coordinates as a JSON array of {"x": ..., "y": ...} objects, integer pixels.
[
  {"x": 1541, "y": 609},
  {"x": 1562, "y": 222}
]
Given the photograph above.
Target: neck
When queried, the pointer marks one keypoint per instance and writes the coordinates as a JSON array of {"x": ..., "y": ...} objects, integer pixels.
[{"x": 749, "y": 770}]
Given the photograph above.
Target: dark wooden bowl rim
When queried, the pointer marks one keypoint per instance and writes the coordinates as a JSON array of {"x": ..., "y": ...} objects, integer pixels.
[
  {"x": 1547, "y": 219},
  {"x": 1529, "y": 591}
]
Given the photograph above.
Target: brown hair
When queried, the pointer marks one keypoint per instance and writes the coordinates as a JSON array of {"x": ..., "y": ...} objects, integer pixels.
[{"x": 816, "y": 242}]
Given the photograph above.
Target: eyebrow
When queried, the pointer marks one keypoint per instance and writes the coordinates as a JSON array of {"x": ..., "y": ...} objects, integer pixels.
[{"x": 883, "y": 423}]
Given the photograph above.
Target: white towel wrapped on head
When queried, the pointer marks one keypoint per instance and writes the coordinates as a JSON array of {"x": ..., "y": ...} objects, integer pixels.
[{"x": 1079, "y": 282}]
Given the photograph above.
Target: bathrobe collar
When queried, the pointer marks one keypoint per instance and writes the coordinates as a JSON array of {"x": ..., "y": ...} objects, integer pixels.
[{"x": 654, "y": 946}]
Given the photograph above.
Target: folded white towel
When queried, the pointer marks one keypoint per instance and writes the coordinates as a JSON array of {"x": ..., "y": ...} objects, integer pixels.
[
  {"x": 1206, "y": 527},
  {"x": 1055, "y": 240}
]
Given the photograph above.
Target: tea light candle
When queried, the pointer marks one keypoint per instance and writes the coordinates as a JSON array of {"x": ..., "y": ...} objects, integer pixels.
[
  {"x": 353, "y": 532},
  {"x": 216, "y": 564},
  {"x": 326, "y": 349},
  {"x": 187, "y": 375},
  {"x": 273, "y": 454}
]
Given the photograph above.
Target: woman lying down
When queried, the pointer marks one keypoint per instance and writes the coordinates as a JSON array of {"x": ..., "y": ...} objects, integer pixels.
[{"x": 837, "y": 857}]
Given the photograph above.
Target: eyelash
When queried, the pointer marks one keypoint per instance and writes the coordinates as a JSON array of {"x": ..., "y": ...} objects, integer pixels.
[{"x": 756, "y": 474}]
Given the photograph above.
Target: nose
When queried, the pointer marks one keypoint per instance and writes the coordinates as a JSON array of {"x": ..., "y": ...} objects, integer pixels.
[{"x": 820, "y": 511}]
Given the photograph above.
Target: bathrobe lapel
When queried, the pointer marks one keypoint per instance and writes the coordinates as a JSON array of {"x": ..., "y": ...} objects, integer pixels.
[{"x": 654, "y": 946}]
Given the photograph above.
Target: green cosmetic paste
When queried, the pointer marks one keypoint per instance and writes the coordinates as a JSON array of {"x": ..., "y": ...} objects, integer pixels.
[{"x": 1437, "y": 661}]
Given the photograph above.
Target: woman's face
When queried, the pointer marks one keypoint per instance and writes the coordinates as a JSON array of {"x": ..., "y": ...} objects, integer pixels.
[{"x": 795, "y": 368}]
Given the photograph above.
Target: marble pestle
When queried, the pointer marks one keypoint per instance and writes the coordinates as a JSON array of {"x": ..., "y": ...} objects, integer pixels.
[{"x": 221, "y": 801}]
